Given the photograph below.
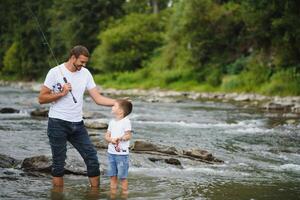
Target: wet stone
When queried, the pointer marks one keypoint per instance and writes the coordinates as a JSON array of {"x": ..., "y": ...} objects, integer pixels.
[
  {"x": 8, "y": 162},
  {"x": 9, "y": 110}
]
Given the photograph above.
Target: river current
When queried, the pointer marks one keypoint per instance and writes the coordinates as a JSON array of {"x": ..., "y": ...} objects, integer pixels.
[{"x": 261, "y": 152}]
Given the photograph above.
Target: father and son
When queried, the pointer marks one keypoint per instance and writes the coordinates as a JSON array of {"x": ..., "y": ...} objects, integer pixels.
[{"x": 64, "y": 88}]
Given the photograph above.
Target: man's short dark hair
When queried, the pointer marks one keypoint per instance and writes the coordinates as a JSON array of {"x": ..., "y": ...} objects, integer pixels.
[
  {"x": 79, "y": 50},
  {"x": 125, "y": 105}
]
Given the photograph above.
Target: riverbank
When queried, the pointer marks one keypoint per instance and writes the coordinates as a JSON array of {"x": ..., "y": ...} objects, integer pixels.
[{"x": 288, "y": 104}]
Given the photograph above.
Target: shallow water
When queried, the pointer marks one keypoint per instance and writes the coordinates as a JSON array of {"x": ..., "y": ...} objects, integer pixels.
[{"x": 262, "y": 157}]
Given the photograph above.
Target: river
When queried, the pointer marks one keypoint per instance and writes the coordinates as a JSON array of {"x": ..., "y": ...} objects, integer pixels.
[{"x": 261, "y": 152}]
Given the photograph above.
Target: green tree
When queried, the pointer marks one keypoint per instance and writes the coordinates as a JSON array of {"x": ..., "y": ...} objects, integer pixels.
[
  {"x": 10, "y": 62},
  {"x": 274, "y": 27},
  {"x": 79, "y": 22},
  {"x": 202, "y": 34},
  {"x": 129, "y": 42},
  {"x": 25, "y": 45},
  {"x": 145, "y": 6},
  {"x": 9, "y": 25}
]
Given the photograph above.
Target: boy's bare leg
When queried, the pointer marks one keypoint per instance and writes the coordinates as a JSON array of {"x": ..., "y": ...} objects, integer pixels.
[
  {"x": 124, "y": 184},
  {"x": 113, "y": 186},
  {"x": 58, "y": 181},
  {"x": 94, "y": 181}
]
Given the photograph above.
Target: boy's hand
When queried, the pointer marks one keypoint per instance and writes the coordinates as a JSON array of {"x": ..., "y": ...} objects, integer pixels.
[{"x": 115, "y": 140}]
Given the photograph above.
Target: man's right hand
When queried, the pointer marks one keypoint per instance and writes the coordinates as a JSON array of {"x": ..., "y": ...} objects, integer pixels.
[{"x": 66, "y": 88}]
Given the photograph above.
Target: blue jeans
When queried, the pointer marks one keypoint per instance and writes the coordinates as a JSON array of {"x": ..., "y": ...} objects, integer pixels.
[
  {"x": 59, "y": 132},
  {"x": 118, "y": 165}
]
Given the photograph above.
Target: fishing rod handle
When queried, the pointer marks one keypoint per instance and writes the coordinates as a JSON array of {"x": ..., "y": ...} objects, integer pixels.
[{"x": 65, "y": 80}]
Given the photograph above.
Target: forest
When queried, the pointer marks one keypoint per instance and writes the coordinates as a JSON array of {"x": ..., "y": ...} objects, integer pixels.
[{"x": 186, "y": 45}]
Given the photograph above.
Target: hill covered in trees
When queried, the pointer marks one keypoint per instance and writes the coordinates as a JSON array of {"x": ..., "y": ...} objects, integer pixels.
[{"x": 201, "y": 45}]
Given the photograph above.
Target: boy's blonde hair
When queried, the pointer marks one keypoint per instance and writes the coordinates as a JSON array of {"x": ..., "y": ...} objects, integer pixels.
[{"x": 125, "y": 105}]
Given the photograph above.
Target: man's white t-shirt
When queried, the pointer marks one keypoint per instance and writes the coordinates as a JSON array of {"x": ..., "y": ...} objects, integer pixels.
[
  {"x": 65, "y": 108},
  {"x": 117, "y": 128}
]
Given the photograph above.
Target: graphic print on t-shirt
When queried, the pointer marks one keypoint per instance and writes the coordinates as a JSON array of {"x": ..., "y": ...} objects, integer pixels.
[{"x": 56, "y": 88}]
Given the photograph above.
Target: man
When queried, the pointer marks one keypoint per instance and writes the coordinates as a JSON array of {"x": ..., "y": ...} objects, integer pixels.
[{"x": 64, "y": 87}]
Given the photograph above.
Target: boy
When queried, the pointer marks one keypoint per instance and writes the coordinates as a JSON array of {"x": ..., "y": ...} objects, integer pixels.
[{"x": 118, "y": 135}]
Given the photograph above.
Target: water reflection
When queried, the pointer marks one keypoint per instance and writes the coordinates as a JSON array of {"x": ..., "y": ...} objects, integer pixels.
[
  {"x": 88, "y": 193},
  {"x": 57, "y": 193}
]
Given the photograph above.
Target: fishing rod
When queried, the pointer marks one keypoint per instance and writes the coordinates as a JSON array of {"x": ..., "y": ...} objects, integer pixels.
[{"x": 47, "y": 43}]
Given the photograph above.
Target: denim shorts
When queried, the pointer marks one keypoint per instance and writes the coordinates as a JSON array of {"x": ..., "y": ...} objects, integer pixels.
[
  {"x": 118, "y": 165},
  {"x": 59, "y": 132}
]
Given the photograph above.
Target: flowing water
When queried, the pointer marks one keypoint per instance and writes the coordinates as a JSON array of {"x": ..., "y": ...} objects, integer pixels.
[{"x": 261, "y": 152}]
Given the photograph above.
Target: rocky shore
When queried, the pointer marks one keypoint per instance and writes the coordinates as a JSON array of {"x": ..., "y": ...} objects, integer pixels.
[{"x": 288, "y": 104}]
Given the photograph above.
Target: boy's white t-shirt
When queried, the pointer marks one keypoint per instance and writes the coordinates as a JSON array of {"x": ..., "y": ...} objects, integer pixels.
[
  {"x": 117, "y": 128},
  {"x": 65, "y": 108}
]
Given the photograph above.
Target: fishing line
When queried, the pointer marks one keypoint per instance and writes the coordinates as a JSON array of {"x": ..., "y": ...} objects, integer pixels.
[{"x": 49, "y": 47}]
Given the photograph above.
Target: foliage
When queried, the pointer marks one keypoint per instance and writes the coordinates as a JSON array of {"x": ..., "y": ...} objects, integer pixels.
[
  {"x": 128, "y": 43},
  {"x": 145, "y": 6},
  {"x": 202, "y": 45},
  {"x": 26, "y": 41},
  {"x": 284, "y": 82},
  {"x": 76, "y": 22},
  {"x": 10, "y": 63}
]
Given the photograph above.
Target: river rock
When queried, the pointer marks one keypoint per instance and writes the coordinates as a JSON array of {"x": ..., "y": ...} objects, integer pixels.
[
  {"x": 88, "y": 115},
  {"x": 167, "y": 150},
  {"x": 9, "y": 110},
  {"x": 194, "y": 154},
  {"x": 96, "y": 123},
  {"x": 199, "y": 153},
  {"x": 37, "y": 163},
  {"x": 8, "y": 162},
  {"x": 160, "y": 100},
  {"x": 171, "y": 161},
  {"x": 296, "y": 108},
  {"x": 43, "y": 164},
  {"x": 140, "y": 145},
  {"x": 99, "y": 144},
  {"x": 242, "y": 97},
  {"x": 41, "y": 112},
  {"x": 275, "y": 106}
]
